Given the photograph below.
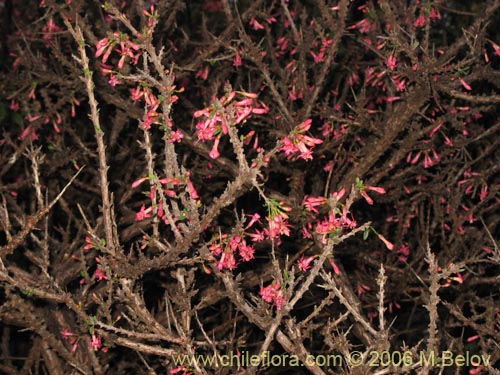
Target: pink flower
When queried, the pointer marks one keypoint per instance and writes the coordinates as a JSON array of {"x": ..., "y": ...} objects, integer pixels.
[
  {"x": 364, "y": 26},
  {"x": 216, "y": 249},
  {"x": 105, "y": 70},
  {"x": 258, "y": 236},
  {"x": 67, "y": 334},
  {"x": 399, "y": 83},
  {"x": 420, "y": 21},
  {"x": 473, "y": 338},
  {"x": 227, "y": 260},
  {"x": 391, "y": 62},
  {"x": 237, "y": 60},
  {"x": 255, "y": 24},
  {"x": 368, "y": 199},
  {"x": 89, "y": 244},
  {"x": 484, "y": 192},
  {"x": 246, "y": 251},
  {"x": 279, "y": 300},
  {"x": 96, "y": 342},
  {"x": 336, "y": 269},
  {"x": 178, "y": 369},
  {"x": 136, "y": 93},
  {"x": 298, "y": 141},
  {"x": 273, "y": 293},
  {"x": 14, "y": 105},
  {"x": 26, "y": 132},
  {"x": 388, "y": 244},
  {"x": 376, "y": 189},
  {"x": 143, "y": 213},
  {"x": 253, "y": 219},
  {"x": 435, "y": 14},
  {"x": 337, "y": 195},
  {"x": 465, "y": 85},
  {"x": 392, "y": 99},
  {"x": 459, "y": 278},
  {"x": 113, "y": 80},
  {"x": 404, "y": 252},
  {"x": 333, "y": 225},
  {"x": 214, "y": 153},
  {"x": 496, "y": 47},
  {"x": 104, "y": 46},
  {"x": 176, "y": 136},
  {"x": 288, "y": 147},
  {"x": 138, "y": 182},
  {"x": 235, "y": 242},
  {"x": 100, "y": 274},
  {"x": 203, "y": 73},
  {"x": 192, "y": 190},
  {"x": 278, "y": 225},
  {"x": 34, "y": 118},
  {"x": 310, "y": 203},
  {"x": 318, "y": 57},
  {"x": 305, "y": 263},
  {"x": 267, "y": 293}
]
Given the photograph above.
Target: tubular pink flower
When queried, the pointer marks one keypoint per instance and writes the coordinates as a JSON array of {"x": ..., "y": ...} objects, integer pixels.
[
  {"x": 391, "y": 62},
  {"x": 246, "y": 251},
  {"x": 336, "y": 269},
  {"x": 101, "y": 46},
  {"x": 95, "y": 343},
  {"x": 214, "y": 153},
  {"x": 237, "y": 60},
  {"x": 67, "y": 334},
  {"x": 376, "y": 189},
  {"x": 368, "y": 199},
  {"x": 255, "y": 24},
  {"x": 304, "y": 126},
  {"x": 253, "y": 219},
  {"x": 305, "y": 263},
  {"x": 143, "y": 213},
  {"x": 310, "y": 203},
  {"x": 100, "y": 274},
  {"x": 388, "y": 244},
  {"x": 138, "y": 182},
  {"x": 465, "y": 85}
]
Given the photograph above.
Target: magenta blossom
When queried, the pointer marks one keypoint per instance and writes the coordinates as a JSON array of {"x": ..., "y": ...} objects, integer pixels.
[{"x": 305, "y": 263}]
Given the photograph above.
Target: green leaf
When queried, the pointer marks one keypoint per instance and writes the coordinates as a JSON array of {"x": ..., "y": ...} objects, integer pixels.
[
  {"x": 360, "y": 184},
  {"x": 286, "y": 275},
  {"x": 366, "y": 233}
]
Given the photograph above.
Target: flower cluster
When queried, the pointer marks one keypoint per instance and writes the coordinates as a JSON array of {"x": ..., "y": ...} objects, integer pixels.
[
  {"x": 273, "y": 293},
  {"x": 125, "y": 48},
  {"x": 153, "y": 103},
  {"x": 335, "y": 223},
  {"x": 277, "y": 219},
  {"x": 73, "y": 339},
  {"x": 226, "y": 247},
  {"x": 298, "y": 141},
  {"x": 363, "y": 188},
  {"x": 304, "y": 263},
  {"x": 215, "y": 120},
  {"x": 147, "y": 212}
]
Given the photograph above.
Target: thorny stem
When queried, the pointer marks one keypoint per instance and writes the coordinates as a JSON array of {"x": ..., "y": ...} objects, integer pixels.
[{"x": 111, "y": 243}]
